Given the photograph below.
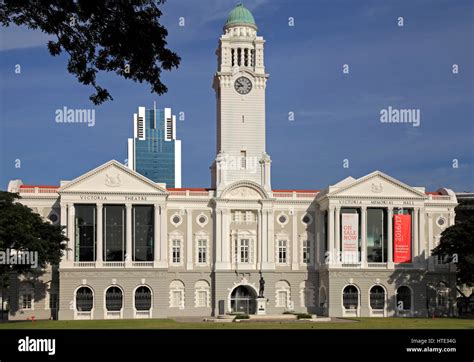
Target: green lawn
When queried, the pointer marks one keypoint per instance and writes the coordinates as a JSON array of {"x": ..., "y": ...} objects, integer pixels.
[{"x": 352, "y": 323}]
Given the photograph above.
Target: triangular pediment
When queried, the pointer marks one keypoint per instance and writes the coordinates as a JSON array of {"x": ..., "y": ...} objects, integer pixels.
[
  {"x": 112, "y": 177},
  {"x": 377, "y": 184}
]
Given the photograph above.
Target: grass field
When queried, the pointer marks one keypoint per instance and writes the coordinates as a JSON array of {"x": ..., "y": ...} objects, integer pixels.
[{"x": 350, "y": 323}]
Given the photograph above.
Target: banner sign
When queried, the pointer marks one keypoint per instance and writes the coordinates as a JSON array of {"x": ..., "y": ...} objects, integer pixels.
[
  {"x": 350, "y": 238},
  {"x": 402, "y": 238}
]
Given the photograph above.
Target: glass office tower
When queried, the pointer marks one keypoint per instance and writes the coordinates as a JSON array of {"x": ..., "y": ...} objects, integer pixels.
[{"x": 154, "y": 150}]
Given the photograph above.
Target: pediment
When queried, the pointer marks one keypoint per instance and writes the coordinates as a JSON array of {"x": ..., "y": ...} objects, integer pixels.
[
  {"x": 243, "y": 193},
  {"x": 377, "y": 184},
  {"x": 244, "y": 190},
  {"x": 112, "y": 177}
]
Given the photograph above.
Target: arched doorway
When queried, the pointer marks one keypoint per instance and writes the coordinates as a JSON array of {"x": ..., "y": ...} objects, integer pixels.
[{"x": 243, "y": 300}]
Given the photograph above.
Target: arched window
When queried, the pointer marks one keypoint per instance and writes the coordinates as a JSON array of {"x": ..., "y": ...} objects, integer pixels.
[
  {"x": 143, "y": 298},
  {"x": 177, "y": 294},
  {"x": 350, "y": 297},
  {"x": 84, "y": 299},
  {"x": 201, "y": 296},
  {"x": 282, "y": 294},
  {"x": 403, "y": 298},
  {"x": 113, "y": 299},
  {"x": 377, "y": 297}
]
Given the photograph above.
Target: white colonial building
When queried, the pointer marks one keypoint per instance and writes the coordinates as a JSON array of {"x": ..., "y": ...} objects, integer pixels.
[{"x": 138, "y": 249}]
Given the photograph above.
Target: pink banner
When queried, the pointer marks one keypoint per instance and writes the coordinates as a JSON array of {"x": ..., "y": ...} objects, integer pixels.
[{"x": 401, "y": 238}]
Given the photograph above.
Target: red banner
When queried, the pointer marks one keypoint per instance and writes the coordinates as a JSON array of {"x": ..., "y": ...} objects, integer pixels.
[{"x": 401, "y": 238}]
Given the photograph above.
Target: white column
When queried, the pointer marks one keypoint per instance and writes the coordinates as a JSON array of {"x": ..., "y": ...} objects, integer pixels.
[
  {"x": 128, "y": 234},
  {"x": 226, "y": 239},
  {"x": 164, "y": 237},
  {"x": 330, "y": 231},
  {"x": 294, "y": 242},
  {"x": 99, "y": 236},
  {"x": 71, "y": 244},
  {"x": 259, "y": 238},
  {"x": 337, "y": 233},
  {"x": 63, "y": 217},
  {"x": 422, "y": 238},
  {"x": 415, "y": 235},
  {"x": 430, "y": 240},
  {"x": 264, "y": 237},
  {"x": 235, "y": 57},
  {"x": 271, "y": 239},
  {"x": 318, "y": 240},
  {"x": 390, "y": 237},
  {"x": 156, "y": 235},
  {"x": 451, "y": 219},
  {"x": 363, "y": 223},
  {"x": 218, "y": 236},
  {"x": 189, "y": 239}
]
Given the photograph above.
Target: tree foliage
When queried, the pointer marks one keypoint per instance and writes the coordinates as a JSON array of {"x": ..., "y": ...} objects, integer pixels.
[
  {"x": 23, "y": 230},
  {"x": 124, "y": 37},
  {"x": 457, "y": 245}
]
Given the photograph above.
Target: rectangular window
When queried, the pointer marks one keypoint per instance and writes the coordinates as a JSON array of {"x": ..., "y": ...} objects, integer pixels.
[
  {"x": 140, "y": 129},
  {"x": 350, "y": 234},
  {"x": 306, "y": 252},
  {"x": 143, "y": 232},
  {"x": 169, "y": 129},
  {"x": 202, "y": 251},
  {"x": 244, "y": 250},
  {"x": 282, "y": 298},
  {"x": 237, "y": 216},
  {"x": 282, "y": 251},
  {"x": 202, "y": 298},
  {"x": 176, "y": 257},
  {"x": 114, "y": 232},
  {"x": 85, "y": 232},
  {"x": 243, "y": 160},
  {"x": 249, "y": 216},
  {"x": 26, "y": 300},
  {"x": 176, "y": 298},
  {"x": 376, "y": 235}
]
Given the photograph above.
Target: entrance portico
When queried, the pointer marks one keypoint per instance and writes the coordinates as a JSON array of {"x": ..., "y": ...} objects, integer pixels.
[{"x": 121, "y": 223}]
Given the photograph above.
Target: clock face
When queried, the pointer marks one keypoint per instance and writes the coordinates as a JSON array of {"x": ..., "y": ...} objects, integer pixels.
[{"x": 243, "y": 85}]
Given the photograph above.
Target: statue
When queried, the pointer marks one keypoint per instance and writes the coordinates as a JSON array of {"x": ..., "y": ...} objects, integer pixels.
[{"x": 262, "y": 286}]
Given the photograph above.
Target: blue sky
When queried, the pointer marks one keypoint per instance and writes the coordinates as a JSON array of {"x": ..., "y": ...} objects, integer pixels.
[{"x": 337, "y": 116}]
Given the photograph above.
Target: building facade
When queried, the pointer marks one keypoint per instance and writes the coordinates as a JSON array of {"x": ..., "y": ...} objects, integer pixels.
[
  {"x": 154, "y": 150},
  {"x": 142, "y": 249}
]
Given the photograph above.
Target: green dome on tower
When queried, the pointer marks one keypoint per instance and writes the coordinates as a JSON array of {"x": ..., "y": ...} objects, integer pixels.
[{"x": 240, "y": 16}]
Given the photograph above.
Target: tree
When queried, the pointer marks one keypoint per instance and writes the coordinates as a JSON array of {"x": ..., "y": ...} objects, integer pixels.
[
  {"x": 457, "y": 245},
  {"x": 23, "y": 230},
  {"x": 124, "y": 37}
]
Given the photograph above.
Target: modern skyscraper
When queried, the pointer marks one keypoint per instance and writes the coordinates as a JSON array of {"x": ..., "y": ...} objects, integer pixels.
[{"x": 154, "y": 150}]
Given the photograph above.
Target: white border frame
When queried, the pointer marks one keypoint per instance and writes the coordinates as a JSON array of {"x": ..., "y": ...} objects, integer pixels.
[
  {"x": 106, "y": 316},
  {"x": 74, "y": 307},
  {"x": 150, "y": 311}
]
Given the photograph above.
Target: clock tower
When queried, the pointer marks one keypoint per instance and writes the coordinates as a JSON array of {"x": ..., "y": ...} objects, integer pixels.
[{"x": 240, "y": 84}]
